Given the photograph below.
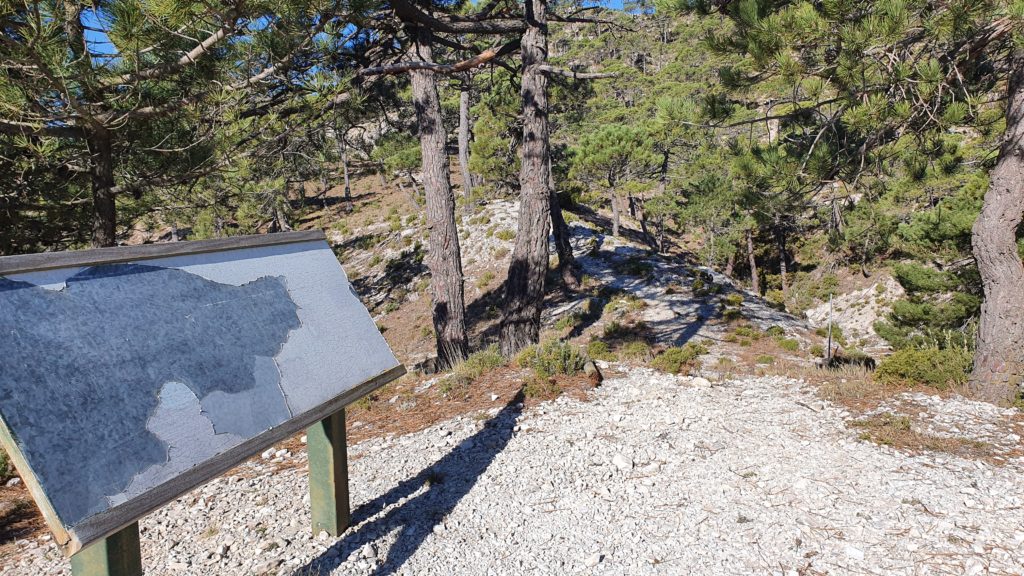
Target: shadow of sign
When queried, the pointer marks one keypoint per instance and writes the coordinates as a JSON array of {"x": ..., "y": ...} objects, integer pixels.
[{"x": 441, "y": 486}]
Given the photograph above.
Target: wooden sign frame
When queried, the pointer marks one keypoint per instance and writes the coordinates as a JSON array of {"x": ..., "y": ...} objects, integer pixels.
[{"x": 322, "y": 421}]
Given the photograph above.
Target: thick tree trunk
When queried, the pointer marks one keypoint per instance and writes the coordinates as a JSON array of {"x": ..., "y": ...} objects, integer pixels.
[
  {"x": 615, "y": 215},
  {"x": 444, "y": 258},
  {"x": 567, "y": 269},
  {"x": 467, "y": 178},
  {"x": 755, "y": 282},
  {"x": 999, "y": 357},
  {"x": 524, "y": 289},
  {"x": 104, "y": 215},
  {"x": 730, "y": 262}
]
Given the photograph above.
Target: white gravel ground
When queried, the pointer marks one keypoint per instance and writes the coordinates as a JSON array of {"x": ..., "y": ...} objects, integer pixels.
[{"x": 655, "y": 475}]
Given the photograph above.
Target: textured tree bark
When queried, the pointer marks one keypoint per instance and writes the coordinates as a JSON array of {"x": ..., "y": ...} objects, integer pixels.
[
  {"x": 104, "y": 216},
  {"x": 444, "y": 258},
  {"x": 999, "y": 357},
  {"x": 730, "y": 262},
  {"x": 467, "y": 178},
  {"x": 524, "y": 289},
  {"x": 567, "y": 269},
  {"x": 755, "y": 283}
]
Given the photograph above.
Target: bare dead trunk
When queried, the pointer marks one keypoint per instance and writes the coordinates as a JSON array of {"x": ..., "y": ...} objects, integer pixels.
[
  {"x": 755, "y": 282},
  {"x": 567, "y": 269},
  {"x": 999, "y": 357},
  {"x": 524, "y": 289},
  {"x": 467, "y": 178},
  {"x": 104, "y": 215},
  {"x": 444, "y": 258},
  {"x": 615, "y": 215}
]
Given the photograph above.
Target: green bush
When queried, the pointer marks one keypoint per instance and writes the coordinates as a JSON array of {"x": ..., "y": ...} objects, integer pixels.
[
  {"x": 599, "y": 350},
  {"x": 478, "y": 363},
  {"x": 675, "y": 360},
  {"x": 734, "y": 299},
  {"x": 626, "y": 302},
  {"x": 817, "y": 351},
  {"x": 6, "y": 470},
  {"x": 636, "y": 350},
  {"x": 765, "y": 359},
  {"x": 505, "y": 234},
  {"x": 569, "y": 321},
  {"x": 748, "y": 332},
  {"x": 789, "y": 344},
  {"x": 775, "y": 331},
  {"x": 837, "y": 334},
  {"x": 552, "y": 357},
  {"x": 939, "y": 368}
]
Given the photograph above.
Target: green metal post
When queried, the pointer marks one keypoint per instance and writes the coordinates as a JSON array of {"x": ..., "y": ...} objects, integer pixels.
[
  {"x": 116, "y": 555},
  {"x": 328, "y": 474}
]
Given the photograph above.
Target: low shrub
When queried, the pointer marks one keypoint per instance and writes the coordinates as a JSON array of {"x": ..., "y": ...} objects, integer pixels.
[
  {"x": 505, "y": 234},
  {"x": 541, "y": 388},
  {"x": 485, "y": 279},
  {"x": 626, "y": 302},
  {"x": 734, "y": 299},
  {"x": 775, "y": 331},
  {"x": 6, "y": 469},
  {"x": 499, "y": 252},
  {"x": 837, "y": 334},
  {"x": 817, "y": 351},
  {"x": 478, "y": 364},
  {"x": 789, "y": 344},
  {"x": 765, "y": 359},
  {"x": 939, "y": 368},
  {"x": 599, "y": 350},
  {"x": 552, "y": 357},
  {"x": 676, "y": 359},
  {"x": 748, "y": 332},
  {"x": 636, "y": 350},
  {"x": 569, "y": 321}
]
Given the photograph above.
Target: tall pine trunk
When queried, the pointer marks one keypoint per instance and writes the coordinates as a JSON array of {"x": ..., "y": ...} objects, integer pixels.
[
  {"x": 444, "y": 258},
  {"x": 464, "y": 129},
  {"x": 524, "y": 289},
  {"x": 755, "y": 282},
  {"x": 999, "y": 357},
  {"x": 104, "y": 216}
]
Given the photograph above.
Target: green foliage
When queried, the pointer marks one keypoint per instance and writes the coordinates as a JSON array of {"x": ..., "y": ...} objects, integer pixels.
[
  {"x": 637, "y": 350},
  {"x": 599, "y": 350},
  {"x": 478, "y": 364},
  {"x": 505, "y": 234},
  {"x": 765, "y": 359},
  {"x": 6, "y": 469},
  {"x": 935, "y": 367},
  {"x": 551, "y": 358},
  {"x": 677, "y": 359},
  {"x": 788, "y": 344}
]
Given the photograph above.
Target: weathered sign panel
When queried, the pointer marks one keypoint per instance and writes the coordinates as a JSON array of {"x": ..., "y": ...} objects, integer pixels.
[{"x": 129, "y": 376}]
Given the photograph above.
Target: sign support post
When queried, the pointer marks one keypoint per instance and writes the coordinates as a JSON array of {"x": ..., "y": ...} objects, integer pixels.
[
  {"x": 328, "y": 474},
  {"x": 119, "y": 554}
]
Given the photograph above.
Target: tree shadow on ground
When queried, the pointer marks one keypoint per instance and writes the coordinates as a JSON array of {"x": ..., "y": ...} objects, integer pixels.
[{"x": 432, "y": 494}]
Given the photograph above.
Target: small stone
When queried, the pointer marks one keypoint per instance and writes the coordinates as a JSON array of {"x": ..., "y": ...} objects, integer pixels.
[
  {"x": 854, "y": 553},
  {"x": 304, "y": 439},
  {"x": 973, "y": 567},
  {"x": 14, "y": 482},
  {"x": 700, "y": 382},
  {"x": 622, "y": 462},
  {"x": 267, "y": 454},
  {"x": 368, "y": 551},
  {"x": 494, "y": 397},
  {"x": 593, "y": 560},
  {"x": 593, "y": 372}
]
